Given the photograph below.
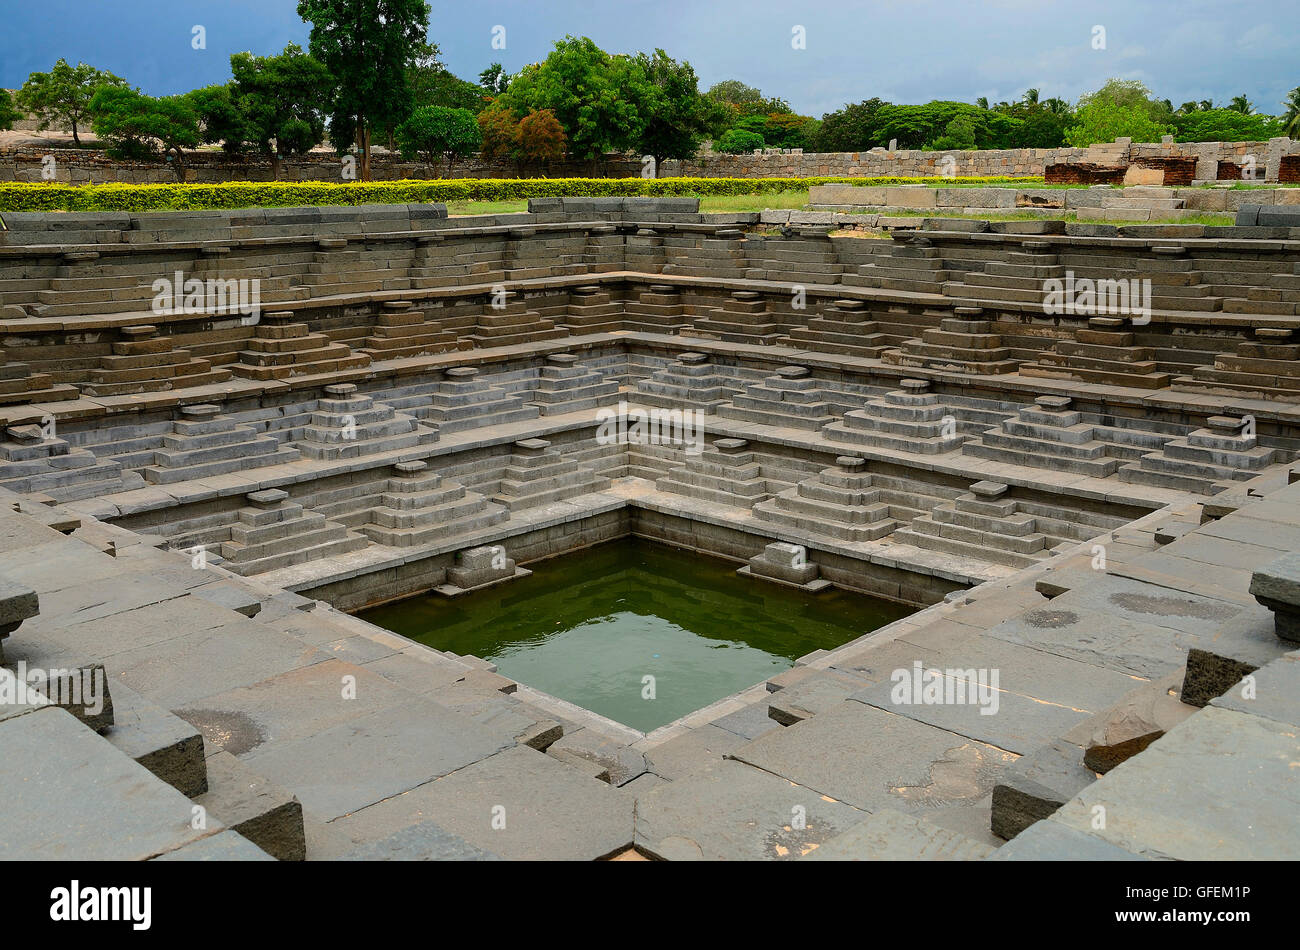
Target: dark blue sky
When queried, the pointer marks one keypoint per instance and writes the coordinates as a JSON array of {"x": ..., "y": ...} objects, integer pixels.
[{"x": 900, "y": 50}]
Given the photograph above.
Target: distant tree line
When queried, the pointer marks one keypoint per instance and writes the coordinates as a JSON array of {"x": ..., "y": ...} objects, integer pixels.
[{"x": 371, "y": 76}]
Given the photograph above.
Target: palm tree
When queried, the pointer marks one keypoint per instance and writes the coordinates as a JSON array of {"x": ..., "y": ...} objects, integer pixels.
[
  {"x": 982, "y": 102},
  {"x": 1030, "y": 97},
  {"x": 1186, "y": 108},
  {"x": 1241, "y": 104},
  {"x": 1291, "y": 118},
  {"x": 1206, "y": 105},
  {"x": 1056, "y": 106}
]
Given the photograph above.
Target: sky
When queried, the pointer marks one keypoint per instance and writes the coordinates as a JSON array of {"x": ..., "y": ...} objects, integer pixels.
[{"x": 898, "y": 50}]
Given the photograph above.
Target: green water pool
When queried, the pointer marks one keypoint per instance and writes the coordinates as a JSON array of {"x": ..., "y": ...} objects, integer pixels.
[{"x": 590, "y": 627}]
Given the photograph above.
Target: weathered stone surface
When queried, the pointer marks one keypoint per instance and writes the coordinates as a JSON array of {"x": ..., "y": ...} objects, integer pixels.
[
  {"x": 1224, "y": 810},
  {"x": 1053, "y": 841},
  {"x": 1131, "y": 725},
  {"x": 890, "y": 835},
  {"x": 426, "y": 841},
  {"x": 1037, "y": 785},
  {"x": 731, "y": 811}
]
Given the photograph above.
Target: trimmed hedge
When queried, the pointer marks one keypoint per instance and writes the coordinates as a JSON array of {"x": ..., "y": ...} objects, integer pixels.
[{"x": 23, "y": 196}]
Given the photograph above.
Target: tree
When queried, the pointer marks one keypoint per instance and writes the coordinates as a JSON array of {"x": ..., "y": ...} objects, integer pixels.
[
  {"x": 279, "y": 99},
  {"x": 1241, "y": 104},
  {"x": 541, "y": 138},
  {"x": 434, "y": 131},
  {"x": 1291, "y": 117},
  {"x": 854, "y": 128},
  {"x": 600, "y": 100},
  {"x": 435, "y": 85},
  {"x": 745, "y": 100},
  {"x": 219, "y": 116},
  {"x": 738, "y": 141},
  {"x": 8, "y": 114},
  {"x": 677, "y": 117},
  {"x": 1226, "y": 125},
  {"x": 494, "y": 79},
  {"x": 137, "y": 126},
  {"x": 63, "y": 95},
  {"x": 958, "y": 134},
  {"x": 500, "y": 132},
  {"x": 369, "y": 46},
  {"x": 1120, "y": 108}
]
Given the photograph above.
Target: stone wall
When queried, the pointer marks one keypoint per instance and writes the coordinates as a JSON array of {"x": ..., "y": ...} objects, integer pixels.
[{"x": 80, "y": 166}]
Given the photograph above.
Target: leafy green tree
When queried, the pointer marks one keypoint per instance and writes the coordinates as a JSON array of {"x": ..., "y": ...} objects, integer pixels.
[
  {"x": 737, "y": 142},
  {"x": 958, "y": 134},
  {"x": 494, "y": 79},
  {"x": 369, "y": 46},
  {"x": 278, "y": 99},
  {"x": 853, "y": 128},
  {"x": 434, "y": 131},
  {"x": 435, "y": 85},
  {"x": 745, "y": 100},
  {"x": 1120, "y": 108},
  {"x": 675, "y": 117},
  {"x": 600, "y": 100},
  {"x": 1291, "y": 117},
  {"x": 220, "y": 120},
  {"x": 1226, "y": 125},
  {"x": 63, "y": 95},
  {"x": 1241, "y": 104},
  {"x": 8, "y": 114},
  {"x": 136, "y": 126}
]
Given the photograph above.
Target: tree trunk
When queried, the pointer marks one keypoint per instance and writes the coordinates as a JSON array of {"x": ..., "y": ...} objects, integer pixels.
[
  {"x": 275, "y": 165},
  {"x": 365, "y": 151},
  {"x": 75, "y": 141}
]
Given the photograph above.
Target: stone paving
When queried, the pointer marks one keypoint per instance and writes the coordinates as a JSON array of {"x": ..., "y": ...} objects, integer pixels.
[{"x": 1096, "y": 521}]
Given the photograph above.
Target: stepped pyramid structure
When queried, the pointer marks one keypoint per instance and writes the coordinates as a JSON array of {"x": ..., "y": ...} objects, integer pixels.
[
  {"x": 592, "y": 310},
  {"x": 538, "y": 475},
  {"x": 1016, "y": 275},
  {"x": 720, "y": 255},
  {"x": 789, "y": 398},
  {"x": 909, "y": 419},
  {"x": 401, "y": 330},
  {"x": 725, "y": 473},
  {"x": 281, "y": 347},
  {"x": 1104, "y": 352},
  {"x": 838, "y": 502},
  {"x": 809, "y": 258},
  {"x": 439, "y": 261},
  {"x": 644, "y": 251},
  {"x": 143, "y": 362},
  {"x": 18, "y": 384},
  {"x": 566, "y": 386},
  {"x": 846, "y": 327},
  {"x": 603, "y": 251},
  {"x": 29, "y": 462},
  {"x": 461, "y": 400},
  {"x": 964, "y": 343},
  {"x": 689, "y": 382},
  {"x": 982, "y": 524},
  {"x": 529, "y": 253},
  {"x": 273, "y": 532},
  {"x": 512, "y": 323},
  {"x": 658, "y": 309},
  {"x": 348, "y": 425},
  {"x": 742, "y": 318},
  {"x": 1268, "y": 366},
  {"x": 420, "y": 507},
  {"x": 912, "y": 263},
  {"x": 1226, "y": 449},
  {"x": 203, "y": 442},
  {"x": 1048, "y": 434}
]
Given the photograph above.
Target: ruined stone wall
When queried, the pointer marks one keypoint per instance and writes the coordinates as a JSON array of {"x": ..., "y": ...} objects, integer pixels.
[{"x": 82, "y": 166}]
